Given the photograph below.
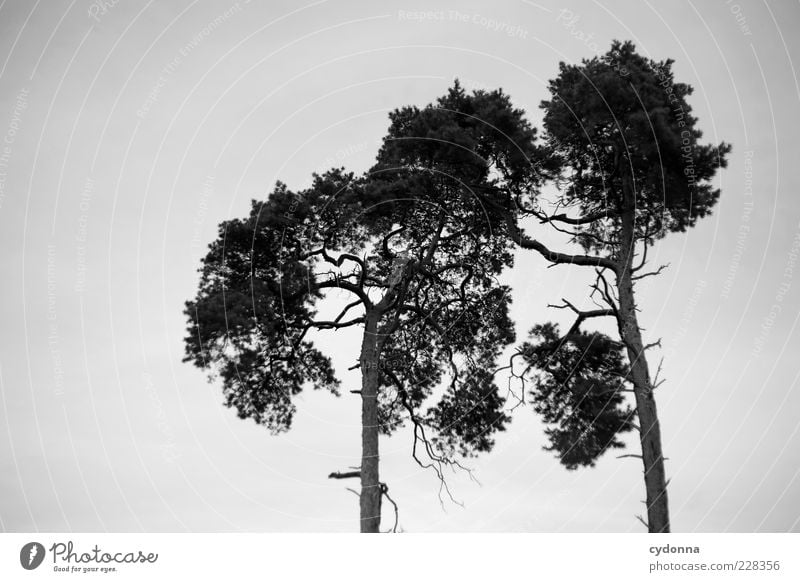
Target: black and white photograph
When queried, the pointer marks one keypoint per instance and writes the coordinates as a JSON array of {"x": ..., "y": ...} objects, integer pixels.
[{"x": 275, "y": 274}]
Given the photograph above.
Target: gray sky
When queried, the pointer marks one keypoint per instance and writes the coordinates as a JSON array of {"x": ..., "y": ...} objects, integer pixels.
[{"x": 127, "y": 136}]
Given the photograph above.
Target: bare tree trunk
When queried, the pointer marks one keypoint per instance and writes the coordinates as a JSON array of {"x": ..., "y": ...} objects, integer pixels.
[
  {"x": 649, "y": 427},
  {"x": 370, "y": 484}
]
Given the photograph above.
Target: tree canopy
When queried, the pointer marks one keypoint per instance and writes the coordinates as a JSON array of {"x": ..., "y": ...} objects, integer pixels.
[
  {"x": 579, "y": 390},
  {"x": 622, "y": 116}
]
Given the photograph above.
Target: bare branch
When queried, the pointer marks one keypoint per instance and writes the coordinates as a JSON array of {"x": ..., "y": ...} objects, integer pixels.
[
  {"x": 385, "y": 492},
  {"x": 515, "y": 375},
  {"x": 656, "y": 344},
  {"x": 334, "y": 324},
  {"x": 323, "y": 252},
  {"x": 651, "y": 273},
  {"x": 589, "y": 218},
  {"x": 346, "y": 309},
  {"x": 345, "y": 475},
  {"x": 606, "y": 291},
  {"x": 656, "y": 381},
  {"x": 557, "y": 258},
  {"x": 357, "y": 290},
  {"x": 582, "y": 315},
  {"x": 438, "y": 462}
]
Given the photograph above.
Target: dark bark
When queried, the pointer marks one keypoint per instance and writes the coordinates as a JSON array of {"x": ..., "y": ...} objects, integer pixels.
[
  {"x": 526, "y": 242},
  {"x": 370, "y": 500},
  {"x": 630, "y": 333}
]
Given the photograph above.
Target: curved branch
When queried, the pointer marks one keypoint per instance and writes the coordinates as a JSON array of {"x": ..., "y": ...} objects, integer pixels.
[
  {"x": 554, "y": 257},
  {"x": 385, "y": 492},
  {"x": 335, "y": 324},
  {"x": 582, "y": 315},
  {"x": 589, "y": 218},
  {"x": 338, "y": 283},
  {"x": 438, "y": 462},
  {"x": 385, "y": 243}
]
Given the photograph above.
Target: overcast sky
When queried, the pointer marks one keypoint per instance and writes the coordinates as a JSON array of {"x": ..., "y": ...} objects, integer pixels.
[{"x": 129, "y": 132}]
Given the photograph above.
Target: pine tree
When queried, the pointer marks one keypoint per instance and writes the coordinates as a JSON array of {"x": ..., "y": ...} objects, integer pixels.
[
  {"x": 419, "y": 255},
  {"x": 630, "y": 169}
]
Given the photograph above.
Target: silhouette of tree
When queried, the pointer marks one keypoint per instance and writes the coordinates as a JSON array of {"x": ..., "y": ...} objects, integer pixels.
[
  {"x": 418, "y": 254},
  {"x": 632, "y": 170}
]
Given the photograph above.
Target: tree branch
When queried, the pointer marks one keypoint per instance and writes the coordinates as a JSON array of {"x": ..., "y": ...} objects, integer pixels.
[
  {"x": 651, "y": 273},
  {"x": 437, "y": 461},
  {"x": 656, "y": 381},
  {"x": 385, "y": 243},
  {"x": 336, "y": 325},
  {"x": 576, "y": 221},
  {"x": 653, "y": 345},
  {"x": 338, "y": 283},
  {"x": 582, "y": 315},
  {"x": 554, "y": 257},
  {"x": 385, "y": 492},
  {"x": 605, "y": 291},
  {"x": 345, "y": 475},
  {"x": 346, "y": 309}
]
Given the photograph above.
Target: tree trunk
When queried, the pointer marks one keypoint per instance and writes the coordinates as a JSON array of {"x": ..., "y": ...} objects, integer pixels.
[
  {"x": 370, "y": 499},
  {"x": 649, "y": 427}
]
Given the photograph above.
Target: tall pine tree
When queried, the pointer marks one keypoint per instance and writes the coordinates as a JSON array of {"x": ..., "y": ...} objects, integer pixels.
[
  {"x": 630, "y": 169},
  {"x": 418, "y": 253}
]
